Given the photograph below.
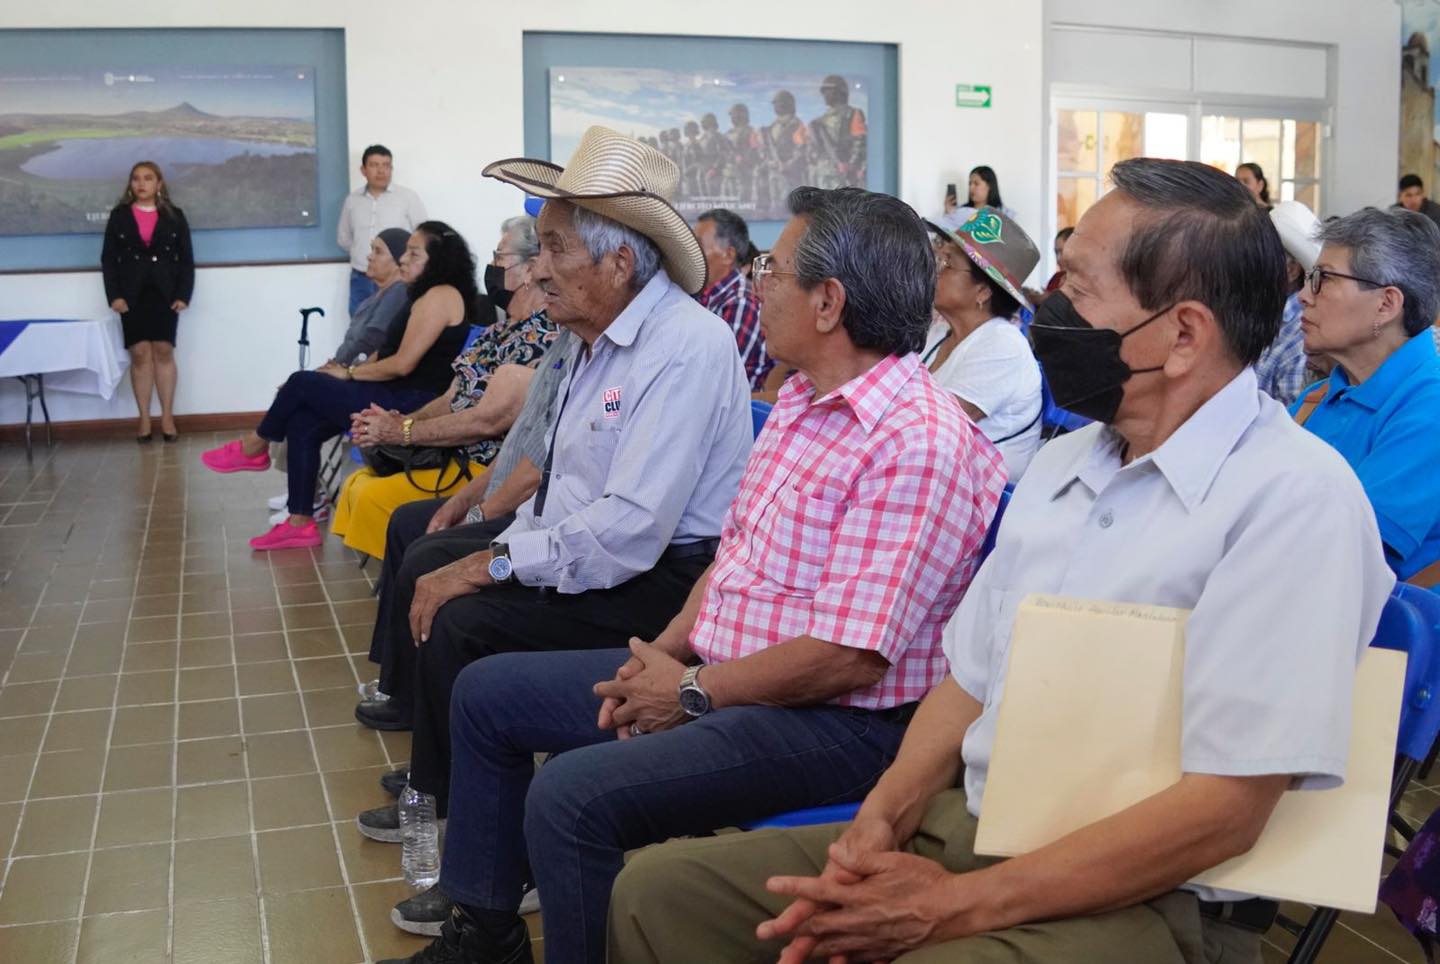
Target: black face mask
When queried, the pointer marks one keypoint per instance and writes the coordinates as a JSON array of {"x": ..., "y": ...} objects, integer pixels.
[
  {"x": 1082, "y": 363},
  {"x": 495, "y": 286}
]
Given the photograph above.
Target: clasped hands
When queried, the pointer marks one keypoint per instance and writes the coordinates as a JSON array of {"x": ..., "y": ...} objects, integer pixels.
[
  {"x": 377, "y": 426},
  {"x": 644, "y": 696},
  {"x": 872, "y": 902}
]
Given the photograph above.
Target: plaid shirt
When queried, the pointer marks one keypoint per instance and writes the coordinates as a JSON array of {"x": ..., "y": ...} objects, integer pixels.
[
  {"x": 1281, "y": 368},
  {"x": 858, "y": 522},
  {"x": 734, "y": 300}
]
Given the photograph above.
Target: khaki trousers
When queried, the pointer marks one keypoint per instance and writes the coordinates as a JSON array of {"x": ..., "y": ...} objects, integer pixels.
[{"x": 699, "y": 901}]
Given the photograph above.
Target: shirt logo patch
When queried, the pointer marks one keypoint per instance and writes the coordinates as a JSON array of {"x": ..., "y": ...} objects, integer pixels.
[{"x": 612, "y": 402}]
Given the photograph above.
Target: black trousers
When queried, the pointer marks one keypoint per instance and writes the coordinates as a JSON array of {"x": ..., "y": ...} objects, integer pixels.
[
  {"x": 498, "y": 619},
  {"x": 390, "y": 645}
]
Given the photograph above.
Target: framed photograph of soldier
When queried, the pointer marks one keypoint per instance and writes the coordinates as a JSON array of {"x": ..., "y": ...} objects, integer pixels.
[
  {"x": 746, "y": 121},
  {"x": 742, "y": 141}
]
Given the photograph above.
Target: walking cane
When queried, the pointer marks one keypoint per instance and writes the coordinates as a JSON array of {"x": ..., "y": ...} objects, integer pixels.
[{"x": 305, "y": 314}]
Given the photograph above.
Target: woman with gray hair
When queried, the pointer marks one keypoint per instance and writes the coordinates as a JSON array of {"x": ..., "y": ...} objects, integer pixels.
[
  {"x": 1369, "y": 304},
  {"x": 472, "y": 416}
]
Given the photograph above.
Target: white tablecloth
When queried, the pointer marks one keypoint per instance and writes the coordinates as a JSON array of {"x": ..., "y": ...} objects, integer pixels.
[{"x": 87, "y": 357}]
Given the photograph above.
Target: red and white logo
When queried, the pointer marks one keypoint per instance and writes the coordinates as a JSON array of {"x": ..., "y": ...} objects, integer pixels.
[{"x": 612, "y": 402}]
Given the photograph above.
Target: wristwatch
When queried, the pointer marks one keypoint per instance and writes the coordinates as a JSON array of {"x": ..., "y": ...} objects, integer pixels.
[
  {"x": 693, "y": 700},
  {"x": 405, "y": 430},
  {"x": 501, "y": 569}
]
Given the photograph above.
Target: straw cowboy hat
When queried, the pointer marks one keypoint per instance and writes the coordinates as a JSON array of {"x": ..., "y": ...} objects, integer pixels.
[
  {"x": 620, "y": 178},
  {"x": 998, "y": 246},
  {"x": 1297, "y": 226}
]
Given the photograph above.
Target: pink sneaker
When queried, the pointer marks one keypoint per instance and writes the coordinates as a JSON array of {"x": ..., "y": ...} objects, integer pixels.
[
  {"x": 231, "y": 457},
  {"x": 286, "y": 536}
]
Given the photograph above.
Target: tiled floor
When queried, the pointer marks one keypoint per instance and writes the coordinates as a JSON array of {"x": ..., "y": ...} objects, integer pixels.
[
  {"x": 181, "y": 766},
  {"x": 182, "y": 769}
]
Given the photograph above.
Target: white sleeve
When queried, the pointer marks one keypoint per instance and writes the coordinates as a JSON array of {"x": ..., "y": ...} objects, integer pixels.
[
  {"x": 345, "y": 234},
  {"x": 987, "y": 369}
]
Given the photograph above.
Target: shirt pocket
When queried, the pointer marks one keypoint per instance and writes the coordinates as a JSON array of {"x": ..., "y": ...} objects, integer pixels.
[
  {"x": 804, "y": 530},
  {"x": 597, "y": 453}
]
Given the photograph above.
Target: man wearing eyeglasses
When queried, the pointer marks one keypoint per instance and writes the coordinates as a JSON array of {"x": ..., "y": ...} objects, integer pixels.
[{"x": 788, "y": 678}]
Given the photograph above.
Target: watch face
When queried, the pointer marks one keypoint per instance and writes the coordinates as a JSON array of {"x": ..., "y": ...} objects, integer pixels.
[
  {"x": 500, "y": 568},
  {"x": 694, "y": 702}
]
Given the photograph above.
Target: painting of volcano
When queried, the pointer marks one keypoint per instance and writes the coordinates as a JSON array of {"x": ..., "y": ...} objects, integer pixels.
[{"x": 237, "y": 145}]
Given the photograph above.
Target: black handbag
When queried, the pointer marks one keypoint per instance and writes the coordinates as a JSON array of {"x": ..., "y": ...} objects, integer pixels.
[{"x": 386, "y": 460}]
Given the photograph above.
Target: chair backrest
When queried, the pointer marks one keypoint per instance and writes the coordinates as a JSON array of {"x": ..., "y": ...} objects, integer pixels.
[
  {"x": 759, "y": 412},
  {"x": 994, "y": 530},
  {"x": 1411, "y": 622}
]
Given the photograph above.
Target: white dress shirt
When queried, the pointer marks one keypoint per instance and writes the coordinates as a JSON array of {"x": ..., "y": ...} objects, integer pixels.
[
  {"x": 363, "y": 216},
  {"x": 1240, "y": 517},
  {"x": 653, "y": 434}
]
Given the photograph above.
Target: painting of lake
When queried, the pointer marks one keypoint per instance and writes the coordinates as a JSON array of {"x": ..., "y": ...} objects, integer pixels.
[{"x": 236, "y": 145}]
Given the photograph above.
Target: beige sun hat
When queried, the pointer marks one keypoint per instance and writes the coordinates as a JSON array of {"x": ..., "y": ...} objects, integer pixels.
[{"x": 624, "y": 180}]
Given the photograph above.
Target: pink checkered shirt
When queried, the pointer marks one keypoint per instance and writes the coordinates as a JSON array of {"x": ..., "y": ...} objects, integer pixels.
[{"x": 858, "y": 521}]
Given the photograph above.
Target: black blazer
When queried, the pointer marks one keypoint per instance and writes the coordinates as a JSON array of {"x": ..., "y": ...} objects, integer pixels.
[{"x": 127, "y": 262}]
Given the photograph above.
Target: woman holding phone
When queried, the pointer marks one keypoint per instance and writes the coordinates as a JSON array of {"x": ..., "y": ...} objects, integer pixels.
[{"x": 149, "y": 271}]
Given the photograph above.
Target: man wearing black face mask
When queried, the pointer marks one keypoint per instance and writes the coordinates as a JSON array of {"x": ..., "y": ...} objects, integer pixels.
[{"x": 1196, "y": 491}]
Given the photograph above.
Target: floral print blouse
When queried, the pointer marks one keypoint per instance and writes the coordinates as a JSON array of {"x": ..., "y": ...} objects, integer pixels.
[{"x": 511, "y": 343}]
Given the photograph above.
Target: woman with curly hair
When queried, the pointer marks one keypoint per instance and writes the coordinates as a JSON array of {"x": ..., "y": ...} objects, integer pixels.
[{"x": 408, "y": 372}]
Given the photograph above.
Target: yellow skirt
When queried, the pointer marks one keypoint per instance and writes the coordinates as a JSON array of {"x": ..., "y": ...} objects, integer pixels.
[{"x": 362, "y": 512}]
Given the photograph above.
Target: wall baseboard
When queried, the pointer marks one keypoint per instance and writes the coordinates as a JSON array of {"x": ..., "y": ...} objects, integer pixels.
[{"x": 98, "y": 428}]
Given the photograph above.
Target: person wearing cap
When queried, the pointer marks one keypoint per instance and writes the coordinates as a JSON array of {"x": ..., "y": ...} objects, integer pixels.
[
  {"x": 374, "y": 319},
  {"x": 788, "y": 679},
  {"x": 975, "y": 351},
  {"x": 1283, "y": 367},
  {"x": 838, "y": 138},
  {"x": 1370, "y": 301},
  {"x": 1194, "y": 491},
  {"x": 653, "y": 433}
]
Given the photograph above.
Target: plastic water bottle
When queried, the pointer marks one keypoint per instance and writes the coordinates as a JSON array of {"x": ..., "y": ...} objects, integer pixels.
[{"x": 420, "y": 838}]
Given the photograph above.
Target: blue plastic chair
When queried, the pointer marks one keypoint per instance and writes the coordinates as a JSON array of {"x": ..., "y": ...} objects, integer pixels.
[
  {"x": 759, "y": 412},
  {"x": 841, "y": 812},
  {"x": 1409, "y": 623}
]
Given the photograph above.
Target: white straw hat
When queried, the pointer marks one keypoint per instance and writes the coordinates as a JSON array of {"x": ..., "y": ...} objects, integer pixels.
[
  {"x": 624, "y": 180},
  {"x": 1298, "y": 226}
]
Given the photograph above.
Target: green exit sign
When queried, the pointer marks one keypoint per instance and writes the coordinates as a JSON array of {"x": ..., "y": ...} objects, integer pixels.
[{"x": 972, "y": 95}]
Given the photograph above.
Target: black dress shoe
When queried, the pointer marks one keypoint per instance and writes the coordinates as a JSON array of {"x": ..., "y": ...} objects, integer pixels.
[
  {"x": 380, "y": 715},
  {"x": 462, "y": 942},
  {"x": 393, "y": 782}
]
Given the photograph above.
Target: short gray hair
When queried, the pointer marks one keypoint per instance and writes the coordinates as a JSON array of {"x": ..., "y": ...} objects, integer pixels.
[
  {"x": 521, "y": 232},
  {"x": 602, "y": 235},
  {"x": 877, "y": 247},
  {"x": 1398, "y": 249}
]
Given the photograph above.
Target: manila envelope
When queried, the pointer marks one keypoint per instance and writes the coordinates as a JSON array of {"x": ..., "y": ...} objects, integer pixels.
[{"x": 1090, "y": 724}]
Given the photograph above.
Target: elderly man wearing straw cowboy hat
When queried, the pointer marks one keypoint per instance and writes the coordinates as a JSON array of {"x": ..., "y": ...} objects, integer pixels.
[
  {"x": 788, "y": 678},
  {"x": 651, "y": 437}
]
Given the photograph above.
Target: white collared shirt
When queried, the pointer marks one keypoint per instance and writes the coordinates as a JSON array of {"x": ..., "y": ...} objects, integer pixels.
[
  {"x": 363, "y": 216},
  {"x": 652, "y": 436},
  {"x": 1240, "y": 517}
]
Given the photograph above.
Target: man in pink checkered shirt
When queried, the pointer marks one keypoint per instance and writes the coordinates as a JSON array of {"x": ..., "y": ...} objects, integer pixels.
[{"x": 789, "y": 677}]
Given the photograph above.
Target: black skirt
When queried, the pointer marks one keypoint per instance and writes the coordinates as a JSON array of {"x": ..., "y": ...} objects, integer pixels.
[{"x": 150, "y": 317}]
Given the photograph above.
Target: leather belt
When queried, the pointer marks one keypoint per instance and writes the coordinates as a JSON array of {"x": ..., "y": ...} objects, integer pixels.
[
  {"x": 689, "y": 550},
  {"x": 1255, "y": 914}
]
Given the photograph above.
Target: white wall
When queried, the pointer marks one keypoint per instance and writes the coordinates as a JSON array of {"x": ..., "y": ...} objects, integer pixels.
[
  {"x": 1366, "y": 38},
  {"x": 439, "y": 82}
]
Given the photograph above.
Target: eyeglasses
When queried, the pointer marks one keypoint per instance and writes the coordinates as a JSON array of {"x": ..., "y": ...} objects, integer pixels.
[
  {"x": 1317, "y": 277},
  {"x": 760, "y": 270}
]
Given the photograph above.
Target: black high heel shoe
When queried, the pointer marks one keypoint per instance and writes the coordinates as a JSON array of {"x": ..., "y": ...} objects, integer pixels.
[
  {"x": 170, "y": 437},
  {"x": 146, "y": 439}
]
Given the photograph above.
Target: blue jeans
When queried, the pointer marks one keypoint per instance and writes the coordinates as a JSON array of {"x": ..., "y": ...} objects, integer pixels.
[
  {"x": 577, "y": 816},
  {"x": 310, "y": 408},
  {"x": 361, "y": 287}
]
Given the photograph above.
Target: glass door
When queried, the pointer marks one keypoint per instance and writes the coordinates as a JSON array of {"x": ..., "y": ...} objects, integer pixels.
[{"x": 1089, "y": 140}]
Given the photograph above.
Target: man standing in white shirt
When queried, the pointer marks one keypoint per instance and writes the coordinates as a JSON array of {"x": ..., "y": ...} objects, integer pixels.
[{"x": 371, "y": 209}]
